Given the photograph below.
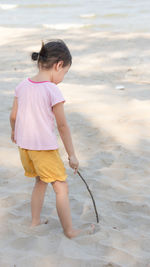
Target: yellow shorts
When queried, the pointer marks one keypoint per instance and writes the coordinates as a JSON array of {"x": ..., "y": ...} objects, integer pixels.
[{"x": 44, "y": 163}]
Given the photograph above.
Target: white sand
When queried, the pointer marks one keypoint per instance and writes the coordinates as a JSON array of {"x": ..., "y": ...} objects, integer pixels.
[{"x": 111, "y": 132}]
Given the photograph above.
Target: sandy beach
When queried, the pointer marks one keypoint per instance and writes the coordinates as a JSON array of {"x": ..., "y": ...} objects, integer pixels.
[{"x": 107, "y": 106}]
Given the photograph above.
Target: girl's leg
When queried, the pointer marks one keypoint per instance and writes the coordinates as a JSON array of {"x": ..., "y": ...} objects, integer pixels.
[
  {"x": 37, "y": 199},
  {"x": 63, "y": 208}
]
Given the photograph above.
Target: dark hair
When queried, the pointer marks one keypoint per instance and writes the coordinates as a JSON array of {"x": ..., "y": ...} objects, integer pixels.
[{"x": 52, "y": 52}]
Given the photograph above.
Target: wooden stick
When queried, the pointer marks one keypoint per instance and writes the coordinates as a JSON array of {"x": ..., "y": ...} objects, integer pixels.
[{"x": 97, "y": 218}]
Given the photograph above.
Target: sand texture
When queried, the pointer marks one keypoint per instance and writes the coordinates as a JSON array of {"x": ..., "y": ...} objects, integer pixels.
[{"x": 108, "y": 110}]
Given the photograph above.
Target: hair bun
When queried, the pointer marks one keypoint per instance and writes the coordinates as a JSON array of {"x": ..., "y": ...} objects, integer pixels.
[{"x": 34, "y": 56}]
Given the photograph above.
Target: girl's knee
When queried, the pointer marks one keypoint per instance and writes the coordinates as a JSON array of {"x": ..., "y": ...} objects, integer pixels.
[{"x": 60, "y": 187}]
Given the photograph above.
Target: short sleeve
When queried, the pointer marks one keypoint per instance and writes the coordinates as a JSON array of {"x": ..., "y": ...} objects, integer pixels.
[
  {"x": 18, "y": 87},
  {"x": 16, "y": 91},
  {"x": 56, "y": 96}
]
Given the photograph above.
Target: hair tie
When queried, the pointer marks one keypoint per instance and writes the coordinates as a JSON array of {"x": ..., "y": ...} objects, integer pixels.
[{"x": 35, "y": 56}]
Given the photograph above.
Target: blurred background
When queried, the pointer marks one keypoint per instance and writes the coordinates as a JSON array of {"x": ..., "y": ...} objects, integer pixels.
[{"x": 115, "y": 15}]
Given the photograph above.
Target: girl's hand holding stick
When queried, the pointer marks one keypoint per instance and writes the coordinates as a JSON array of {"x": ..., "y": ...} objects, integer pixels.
[{"x": 73, "y": 163}]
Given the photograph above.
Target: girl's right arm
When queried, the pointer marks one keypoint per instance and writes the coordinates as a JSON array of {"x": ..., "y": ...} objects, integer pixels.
[
  {"x": 65, "y": 135},
  {"x": 12, "y": 118}
]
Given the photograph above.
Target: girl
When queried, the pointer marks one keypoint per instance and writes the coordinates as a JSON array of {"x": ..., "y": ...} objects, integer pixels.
[{"x": 38, "y": 100}]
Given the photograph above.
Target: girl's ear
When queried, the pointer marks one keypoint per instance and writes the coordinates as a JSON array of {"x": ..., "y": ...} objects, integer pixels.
[{"x": 59, "y": 65}]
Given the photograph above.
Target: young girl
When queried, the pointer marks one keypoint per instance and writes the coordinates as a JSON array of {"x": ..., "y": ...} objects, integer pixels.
[{"x": 38, "y": 100}]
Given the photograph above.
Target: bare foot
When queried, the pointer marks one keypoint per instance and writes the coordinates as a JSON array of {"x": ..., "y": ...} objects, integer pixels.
[
  {"x": 77, "y": 232},
  {"x": 40, "y": 222}
]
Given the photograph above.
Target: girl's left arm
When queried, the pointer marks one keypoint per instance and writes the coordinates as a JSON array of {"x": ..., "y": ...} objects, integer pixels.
[{"x": 12, "y": 117}]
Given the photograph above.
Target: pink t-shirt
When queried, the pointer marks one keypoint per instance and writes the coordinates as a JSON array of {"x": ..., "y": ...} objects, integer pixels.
[{"x": 34, "y": 126}]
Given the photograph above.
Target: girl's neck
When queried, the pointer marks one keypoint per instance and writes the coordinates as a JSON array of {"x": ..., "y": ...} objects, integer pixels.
[{"x": 42, "y": 76}]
